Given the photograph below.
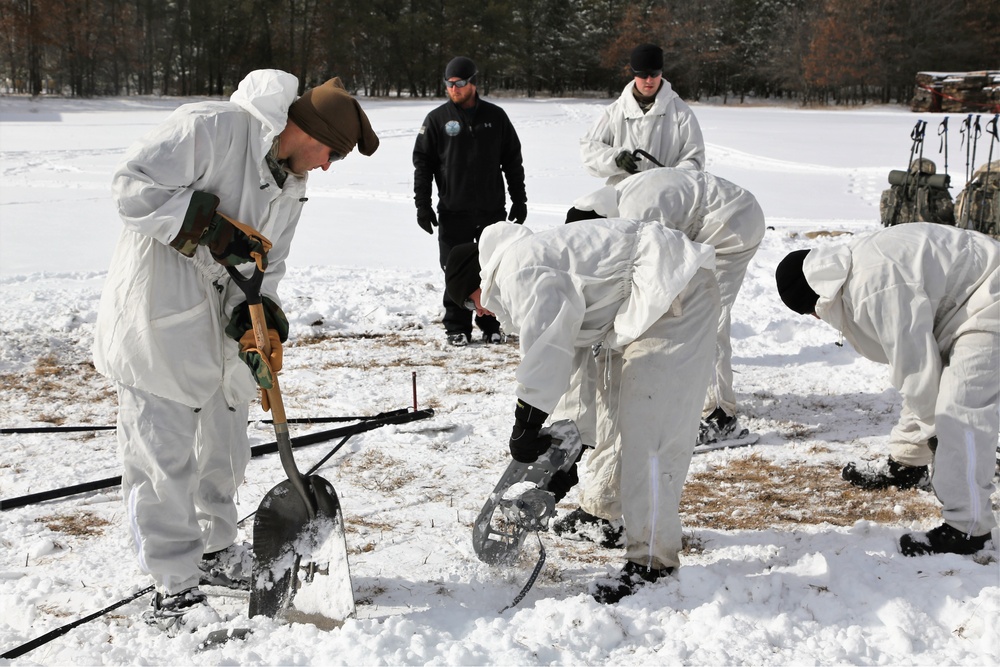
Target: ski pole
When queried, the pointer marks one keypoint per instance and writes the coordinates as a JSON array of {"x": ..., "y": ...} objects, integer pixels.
[
  {"x": 965, "y": 131},
  {"x": 18, "y": 651},
  {"x": 943, "y": 144},
  {"x": 920, "y": 129},
  {"x": 991, "y": 129},
  {"x": 976, "y": 133},
  {"x": 916, "y": 137}
]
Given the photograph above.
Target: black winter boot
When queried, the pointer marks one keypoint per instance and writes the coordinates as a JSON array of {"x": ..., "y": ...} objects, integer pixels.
[
  {"x": 882, "y": 477},
  {"x": 719, "y": 426},
  {"x": 231, "y": 567},
  {"x": 629, "y": 580},
  {"x": 583, "y": 526},
  {"x": 941, "y": 540}
]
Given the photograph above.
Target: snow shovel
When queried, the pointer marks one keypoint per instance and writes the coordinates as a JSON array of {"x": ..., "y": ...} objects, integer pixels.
[{"x": 300, "y": 568}]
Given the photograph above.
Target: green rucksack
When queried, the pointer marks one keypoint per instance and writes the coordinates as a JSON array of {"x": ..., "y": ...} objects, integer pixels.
[
  {"x": 978, "y": 205},
  {"x": 917, "y": 195}
]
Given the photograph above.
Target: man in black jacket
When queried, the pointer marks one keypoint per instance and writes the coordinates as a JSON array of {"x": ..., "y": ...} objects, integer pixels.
[{"x": 467, "y": 146}]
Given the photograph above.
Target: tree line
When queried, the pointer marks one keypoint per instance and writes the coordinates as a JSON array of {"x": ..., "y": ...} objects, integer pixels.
[{"x": 840, "y": 51}]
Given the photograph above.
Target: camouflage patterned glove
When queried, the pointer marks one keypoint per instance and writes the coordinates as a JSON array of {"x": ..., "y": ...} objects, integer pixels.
[
  {"x": 263, "y": 370},
  {"x": 274, "y": 319},
  {"x": 230, "y": 242}
]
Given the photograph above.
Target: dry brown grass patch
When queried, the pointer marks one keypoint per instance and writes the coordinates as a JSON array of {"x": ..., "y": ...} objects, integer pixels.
[
  {"x": 84, "y": 524},
  {"x": 55, "y": 385},
  {"x": 381, "y": 472},
  {"x": 753, "y": 493}
]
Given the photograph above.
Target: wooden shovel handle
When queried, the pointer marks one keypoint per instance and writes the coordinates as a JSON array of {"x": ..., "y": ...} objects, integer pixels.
[
  {"x": 251, "y": 289},
  {"x": 263, "y": 343}
]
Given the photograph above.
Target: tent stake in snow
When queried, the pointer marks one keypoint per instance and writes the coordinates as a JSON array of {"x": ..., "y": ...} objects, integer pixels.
[{"x": 299, "y": 527}]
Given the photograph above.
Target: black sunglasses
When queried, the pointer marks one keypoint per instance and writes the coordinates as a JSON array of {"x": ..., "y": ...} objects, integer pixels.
[
  {"x": 461, "y": 83},
  {"x": 647, "y": 73},
  {"x": 335, "y": 157}
]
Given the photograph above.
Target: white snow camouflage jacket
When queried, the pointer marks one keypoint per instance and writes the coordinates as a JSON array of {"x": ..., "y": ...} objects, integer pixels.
[
  {"x": 669, "y": 132},
  {"x": 160, "y": 325},
  {"x": 902, "y": 295},
  {"x": 577, "y": 285},
  {"x": 705, "y": 208}
]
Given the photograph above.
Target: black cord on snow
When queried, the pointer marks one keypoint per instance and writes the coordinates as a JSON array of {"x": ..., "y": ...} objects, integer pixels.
[
  {"x": 354, "y": 430},
  {"x": 301, "y": 420},
  {"x": 532, "y": 578},
  {"x": 371, "y": 423},
  {"x": 394, "y": 417},
  {"x": 18, "y": 651}
]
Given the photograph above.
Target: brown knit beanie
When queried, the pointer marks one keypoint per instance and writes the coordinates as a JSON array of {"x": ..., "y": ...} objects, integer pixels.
[{"x": 330, "y": 115}]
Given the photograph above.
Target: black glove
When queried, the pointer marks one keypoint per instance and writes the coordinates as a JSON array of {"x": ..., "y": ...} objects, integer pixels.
[
  {"x": 564, "y": 480},
  {"x": 526, "y": 441},
  {"x": 626, "y": 161},
  {"x": 518, "y": 213},
  {"x": 426, "y": 219}
]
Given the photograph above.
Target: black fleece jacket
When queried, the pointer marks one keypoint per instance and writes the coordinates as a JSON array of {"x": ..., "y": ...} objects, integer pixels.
[{"x": 468, "y": 154}]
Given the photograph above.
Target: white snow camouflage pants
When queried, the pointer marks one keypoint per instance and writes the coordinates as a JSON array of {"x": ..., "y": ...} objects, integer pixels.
[
  {"x": 967, "y": 425},
  {"x": 649, "y": 400},
  {"x": 730, "y": 270},
  {"x": 181, "y": 469}
]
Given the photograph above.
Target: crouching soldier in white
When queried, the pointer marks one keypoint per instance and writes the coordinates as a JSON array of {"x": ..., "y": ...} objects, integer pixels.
[
  {"x": 707, "y": 209},
  {"x": 647, "y": 294},
  {"x": 172, "y": 328},
  {"x": 925, "y": 299}
]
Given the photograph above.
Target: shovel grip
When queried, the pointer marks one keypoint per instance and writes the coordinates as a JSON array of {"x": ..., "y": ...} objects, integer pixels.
[{"x": 263, "y": 343}]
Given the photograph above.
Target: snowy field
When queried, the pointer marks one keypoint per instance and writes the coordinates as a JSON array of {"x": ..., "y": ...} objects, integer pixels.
[{"x": 784, "y": 563}]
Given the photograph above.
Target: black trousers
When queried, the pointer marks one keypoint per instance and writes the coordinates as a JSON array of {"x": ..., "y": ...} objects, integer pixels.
[{"x": 456, "y": 228}]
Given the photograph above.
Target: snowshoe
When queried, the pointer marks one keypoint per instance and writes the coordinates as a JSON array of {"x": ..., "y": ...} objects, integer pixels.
[
  {"x": 181, "y": 612},
  {"x": 521, "y": 501}
]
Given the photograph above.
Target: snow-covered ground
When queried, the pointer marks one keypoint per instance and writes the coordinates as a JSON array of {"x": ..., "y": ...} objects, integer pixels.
[{"x": 784, "y": 564}]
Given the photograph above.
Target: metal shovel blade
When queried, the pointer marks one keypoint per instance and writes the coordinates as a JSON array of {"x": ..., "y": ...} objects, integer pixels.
[{"x": 300, "y": 571}]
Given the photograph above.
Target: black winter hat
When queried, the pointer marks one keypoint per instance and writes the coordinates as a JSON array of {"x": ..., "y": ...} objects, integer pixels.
[
  {"x": 793, "y": 288},
  {"x": 461, "y": 272},
  {"x": 646, "y": 57},
  {"x": 577, "y": 214},
  {"x": 461, "y": 67}
]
